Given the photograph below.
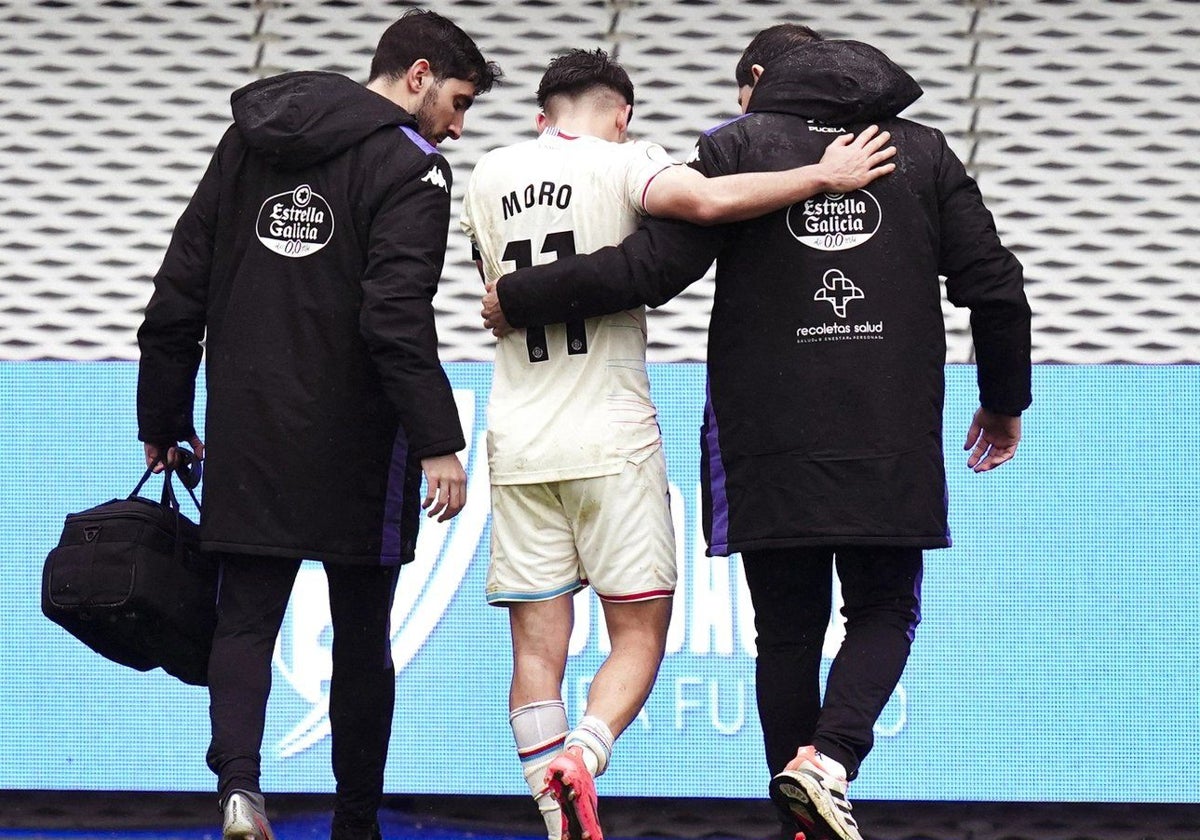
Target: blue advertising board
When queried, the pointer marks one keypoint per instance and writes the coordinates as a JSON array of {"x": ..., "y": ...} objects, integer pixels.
[{"x": 1055, "y": 661}]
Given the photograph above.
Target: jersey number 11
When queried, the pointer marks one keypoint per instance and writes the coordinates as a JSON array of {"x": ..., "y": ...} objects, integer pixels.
[{"x": 520, "y": 251}]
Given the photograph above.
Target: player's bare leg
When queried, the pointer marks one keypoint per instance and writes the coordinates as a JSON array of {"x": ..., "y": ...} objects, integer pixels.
[
  {"x": 541, "y": 631},
  {"x": 638, "y": 632}
]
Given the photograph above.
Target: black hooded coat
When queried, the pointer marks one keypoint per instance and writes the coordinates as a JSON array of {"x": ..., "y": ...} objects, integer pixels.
[
  {"x": 826, "y": 346},
  {"x": 306, "y": 263}
]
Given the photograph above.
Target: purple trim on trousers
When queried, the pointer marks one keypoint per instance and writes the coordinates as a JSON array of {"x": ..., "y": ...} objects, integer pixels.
[
  {"x": 719, "y": 502},
  {"x": 390, "y": 540}
]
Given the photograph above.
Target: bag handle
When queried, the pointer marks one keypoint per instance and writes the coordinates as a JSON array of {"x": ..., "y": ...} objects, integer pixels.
[
  {"x": 146, "y": 475},
  {"x": 169, "y": 501},
  {"x": 168, "y": 498}
]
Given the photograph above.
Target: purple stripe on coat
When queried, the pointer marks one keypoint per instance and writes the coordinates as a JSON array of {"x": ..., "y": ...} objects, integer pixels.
[
  {"x": 391, "y": 544},
  {"x": 422, "y": 144},
  {"x": 718, "y": 127},
  {"x": 719, "y": 538}
]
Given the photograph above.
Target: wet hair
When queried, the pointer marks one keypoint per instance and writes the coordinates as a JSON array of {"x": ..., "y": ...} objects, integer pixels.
[
  {"x": 450, "y": 52},
  {"x": 770, "y": 44},
  {"x": 581, "y": 71}
]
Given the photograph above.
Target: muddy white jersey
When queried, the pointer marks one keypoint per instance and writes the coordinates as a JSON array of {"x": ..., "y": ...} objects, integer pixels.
[{"x": 568, "y": 400}]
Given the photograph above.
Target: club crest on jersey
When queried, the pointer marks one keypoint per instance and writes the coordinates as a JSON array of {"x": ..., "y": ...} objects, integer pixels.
[
  {"x": 296, "y": 223},
  {"x": 303, "y": 652},
  {"x": 835, "y": 221},
  {"x": 434, "y": 176}
]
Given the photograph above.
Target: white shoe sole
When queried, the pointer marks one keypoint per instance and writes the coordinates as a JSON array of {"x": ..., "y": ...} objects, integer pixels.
[
  {"x": 245, "y": 823},
  {"x": 801, "y": 796}
]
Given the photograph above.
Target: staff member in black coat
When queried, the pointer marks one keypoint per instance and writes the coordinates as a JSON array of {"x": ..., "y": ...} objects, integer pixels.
[
  {"x": 307, "y": 262},
  {"x": 822, "y": 437}
]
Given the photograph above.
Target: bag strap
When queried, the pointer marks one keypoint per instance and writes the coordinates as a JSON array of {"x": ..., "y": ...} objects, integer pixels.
[
  {"x": 168, "y": 498},
  {"x": 145, "y": 476},
  {"x": 171, "y": 502},
  {"x": 191, "y": 493}
]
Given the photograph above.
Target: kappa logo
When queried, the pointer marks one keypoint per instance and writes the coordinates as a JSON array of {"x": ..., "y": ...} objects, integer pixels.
[
  {"x": 434, "y": 176},
  {"x": 837, "y": 289},
  {"x": 296, "y": 223},
  {"x": 303, "y": 654}
]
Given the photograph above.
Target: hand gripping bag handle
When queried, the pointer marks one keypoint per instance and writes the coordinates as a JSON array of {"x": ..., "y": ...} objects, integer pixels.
[{"x": 169, "y": 501}]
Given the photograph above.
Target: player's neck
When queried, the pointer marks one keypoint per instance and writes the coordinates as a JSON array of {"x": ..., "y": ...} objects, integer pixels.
[{"x": 587, "y": 125}]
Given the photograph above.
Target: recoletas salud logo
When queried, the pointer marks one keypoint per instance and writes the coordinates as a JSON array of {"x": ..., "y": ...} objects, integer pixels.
[
  {"x": 835, "y": 222},
  {"x": 296, "y": 223},
  {"x": 303, "y": 651},
  {"x": 837, "y": 289}
]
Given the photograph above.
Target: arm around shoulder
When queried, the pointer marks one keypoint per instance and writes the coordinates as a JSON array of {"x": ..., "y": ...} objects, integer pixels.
[
  {"x": 652, "y": 265},
  {"x": 849, "y": 162}
]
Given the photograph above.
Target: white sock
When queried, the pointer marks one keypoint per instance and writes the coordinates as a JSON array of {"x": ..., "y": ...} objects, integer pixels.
[
  {"x": 595, "y": 740},
  {"x": 539, "y": 730},
  {"x": 551, "y": 815}
]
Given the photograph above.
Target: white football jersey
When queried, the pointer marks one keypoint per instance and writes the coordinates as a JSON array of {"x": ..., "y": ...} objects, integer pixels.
[{"x": 568, "y": 400}]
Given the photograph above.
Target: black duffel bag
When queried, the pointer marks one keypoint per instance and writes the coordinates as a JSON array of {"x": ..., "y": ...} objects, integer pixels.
[{"x": 128, "y": 579}]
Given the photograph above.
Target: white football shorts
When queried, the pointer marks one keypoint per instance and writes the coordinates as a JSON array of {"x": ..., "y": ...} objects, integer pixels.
[{"x": 613, "y": 532}]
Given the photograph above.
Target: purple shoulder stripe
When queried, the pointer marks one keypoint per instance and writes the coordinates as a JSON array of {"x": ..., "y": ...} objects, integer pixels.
[
  {"x": 719, "y": 126},
  {"x": 422, "y": 144}
]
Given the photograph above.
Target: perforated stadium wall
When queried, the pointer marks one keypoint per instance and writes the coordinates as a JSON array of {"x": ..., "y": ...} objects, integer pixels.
[{"x": 1079, "y": 118}]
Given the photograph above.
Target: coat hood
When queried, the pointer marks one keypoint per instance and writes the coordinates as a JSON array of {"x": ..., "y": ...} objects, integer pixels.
[
  {"x": 300, "y": 119},
  {"x": 835, "y": 82}
]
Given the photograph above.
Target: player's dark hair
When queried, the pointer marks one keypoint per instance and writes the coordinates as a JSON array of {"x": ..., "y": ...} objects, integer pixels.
[
  {"x": 579, "y": 71},
  {"x": 770, "y": 44},
  {"x": 450, "y": 52}
]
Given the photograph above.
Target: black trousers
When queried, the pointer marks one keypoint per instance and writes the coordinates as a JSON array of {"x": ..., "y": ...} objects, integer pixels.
[
  {"x": 252, "y": 598},
  {"x": 792, "y": 594}
]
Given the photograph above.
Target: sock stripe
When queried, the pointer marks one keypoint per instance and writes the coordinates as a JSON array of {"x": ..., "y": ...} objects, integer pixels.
[
  {"x": 595, "y": 738},
  {"x": 537, "y": 751}
]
